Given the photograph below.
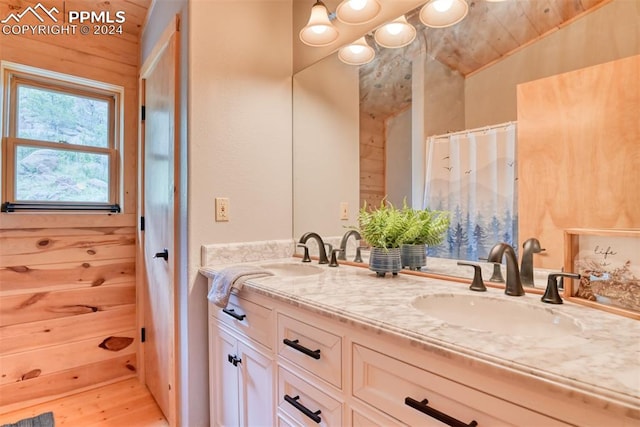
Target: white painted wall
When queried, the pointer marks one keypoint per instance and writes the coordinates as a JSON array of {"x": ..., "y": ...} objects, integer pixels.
[
  {"x": 235, "y": 142},
  {"x": 326, "y": 150},
  {"x": 239, "y": 132},
  {"x": 610, "y": 32}
]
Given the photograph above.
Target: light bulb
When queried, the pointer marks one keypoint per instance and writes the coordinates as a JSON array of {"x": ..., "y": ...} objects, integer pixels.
[
  {"x": 357, "y": 53},
  {"x": 319, "y": 29},
  {"x": 357, "y": 4},
  {"x": 355, "y": 12},
  {"x": 442, "y": 5},
  {"x": 394, "y": 28}
]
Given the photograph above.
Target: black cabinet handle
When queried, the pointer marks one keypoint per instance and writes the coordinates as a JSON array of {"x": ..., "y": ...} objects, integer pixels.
[
  {"x": 434, "y": 413},
  {"x": 231, "y": 312},
  {"x": 315, "y": 416},
  {"x": 234, "y": 359},
  {"x": 302, "y": 349}
]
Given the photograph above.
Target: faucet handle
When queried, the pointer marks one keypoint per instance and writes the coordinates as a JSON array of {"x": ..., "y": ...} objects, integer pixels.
[
  {"x": 551, "y": 295},
  {"x": 477, "y": 284},
  {"x": 497, "y": 272},
  {"x": 306, "y": 257},
  {"x": 334, "y": 261}
]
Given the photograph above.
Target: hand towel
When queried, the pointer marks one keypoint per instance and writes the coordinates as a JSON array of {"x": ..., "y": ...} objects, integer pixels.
[{"x": 232, "y": 277}]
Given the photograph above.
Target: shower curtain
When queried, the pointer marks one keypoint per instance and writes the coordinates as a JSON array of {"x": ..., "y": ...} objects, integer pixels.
[{"x": 472, "y": 174}]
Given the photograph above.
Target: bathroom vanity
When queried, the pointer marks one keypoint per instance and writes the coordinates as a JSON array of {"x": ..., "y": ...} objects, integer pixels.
[{"x": 339, "y": 346}]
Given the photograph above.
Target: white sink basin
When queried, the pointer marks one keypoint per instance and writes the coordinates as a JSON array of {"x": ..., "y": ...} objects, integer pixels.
[
  {"x": 499, "y": 315},
  {"x": 292, "y": 269}
]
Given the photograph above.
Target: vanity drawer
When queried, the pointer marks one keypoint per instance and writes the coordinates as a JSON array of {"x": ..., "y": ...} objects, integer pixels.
[
  {"x": 387, "y": 384},
  {"x": 248, "y": 318},
  {"x": 304, "y": 403},
  {"x": 311, "y": 348}
]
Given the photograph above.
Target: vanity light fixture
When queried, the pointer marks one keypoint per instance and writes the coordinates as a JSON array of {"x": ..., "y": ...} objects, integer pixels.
[
  {"x": 354, "y": 12},
  {"x": 443, "y": 13},
  {"x": 357, "y": 53},
  {"x": 319, "y": 31},
  {"x": 397, "y": 33}
]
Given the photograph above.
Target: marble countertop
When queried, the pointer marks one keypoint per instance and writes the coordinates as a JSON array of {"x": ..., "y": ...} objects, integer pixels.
[{"x": 602, "y": 360}]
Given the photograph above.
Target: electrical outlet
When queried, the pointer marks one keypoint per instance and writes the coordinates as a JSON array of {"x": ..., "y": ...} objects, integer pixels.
[
  {"x": 344, "y": 211},
  {"x": 222, "y": 209}
]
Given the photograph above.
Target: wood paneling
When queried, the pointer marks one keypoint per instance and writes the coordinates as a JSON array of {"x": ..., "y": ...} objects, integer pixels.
[
  {"x": 579, "y": 162},
  {"x": 68, "y": 281},
  {"x": 372, "y": 159},
  {"x": 47, "y": 387}
]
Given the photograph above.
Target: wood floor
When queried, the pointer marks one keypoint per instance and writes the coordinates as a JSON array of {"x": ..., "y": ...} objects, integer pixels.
[{"x": 126, "y": 403}]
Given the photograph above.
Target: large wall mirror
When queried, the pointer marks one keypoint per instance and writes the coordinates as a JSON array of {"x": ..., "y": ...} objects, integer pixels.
[{"x": 360, "y": 132}]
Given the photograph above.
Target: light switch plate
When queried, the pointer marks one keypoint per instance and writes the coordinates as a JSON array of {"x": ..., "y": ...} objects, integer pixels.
[
  {"x": 344, "y": 211},
  {"x": 222, "y": 209}
]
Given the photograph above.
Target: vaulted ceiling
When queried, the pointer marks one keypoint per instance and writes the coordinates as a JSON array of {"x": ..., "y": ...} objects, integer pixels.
[{"x": 491, "y": 31}]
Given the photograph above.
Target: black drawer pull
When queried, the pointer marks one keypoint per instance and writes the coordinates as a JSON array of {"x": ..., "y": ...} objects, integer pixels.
[
  {"x": 315, "y": 416},
  {"x": 294, "y": 344},
  {"x": 434, "y": 413},
  {"x": 231, "y": 312}
]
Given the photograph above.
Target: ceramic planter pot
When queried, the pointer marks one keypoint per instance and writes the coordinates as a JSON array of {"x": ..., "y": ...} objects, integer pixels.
[
  {"x": 384, "y": 261},
  {"x": 413, "y": 257}
]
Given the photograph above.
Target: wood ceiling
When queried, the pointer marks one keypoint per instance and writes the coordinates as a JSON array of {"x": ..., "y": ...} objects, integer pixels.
[
  {"x": 491, "y": 31},
  {"x": 135, "y": 10}
]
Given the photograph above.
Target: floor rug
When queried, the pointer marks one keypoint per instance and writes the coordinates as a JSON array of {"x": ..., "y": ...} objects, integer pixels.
[{"x": 42, "y": 420}]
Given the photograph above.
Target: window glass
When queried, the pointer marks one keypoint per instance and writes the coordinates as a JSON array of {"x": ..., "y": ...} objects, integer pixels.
[
  {"x": 56, "y": 116},
  {"x": 46, "y": 174}
]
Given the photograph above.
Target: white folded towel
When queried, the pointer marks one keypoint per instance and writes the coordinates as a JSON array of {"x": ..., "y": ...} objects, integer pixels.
[{"x": 232, "y": 277}]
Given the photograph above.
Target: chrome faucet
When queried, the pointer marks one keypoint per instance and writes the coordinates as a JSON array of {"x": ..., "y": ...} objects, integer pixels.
[
  {"x": 343, "y": 246},
  {"x": 513, "y": 284},
  {"x": 322, "y": 254},
  {"x": 529, "y": 247}
]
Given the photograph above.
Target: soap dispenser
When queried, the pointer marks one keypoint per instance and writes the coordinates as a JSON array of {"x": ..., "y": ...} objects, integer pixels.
[{"x": 551, "y": 295}]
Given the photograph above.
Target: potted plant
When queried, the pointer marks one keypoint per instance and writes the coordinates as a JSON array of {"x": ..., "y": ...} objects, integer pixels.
[
  {"x": 422, "y": 227},
  {"x": 383, "y": 229}
]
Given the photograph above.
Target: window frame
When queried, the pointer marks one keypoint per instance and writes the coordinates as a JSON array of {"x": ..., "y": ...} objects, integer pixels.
[{"x": 16, "y": 75}]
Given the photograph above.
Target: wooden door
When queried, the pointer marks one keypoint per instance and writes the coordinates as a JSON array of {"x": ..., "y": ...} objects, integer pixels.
[{"x": 160, "y": 90}]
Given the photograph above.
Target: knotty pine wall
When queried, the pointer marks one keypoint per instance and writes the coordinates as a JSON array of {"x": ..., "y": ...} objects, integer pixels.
[
  {"x": 372, "y": 160},
  {"x": 68, "y": 281}
]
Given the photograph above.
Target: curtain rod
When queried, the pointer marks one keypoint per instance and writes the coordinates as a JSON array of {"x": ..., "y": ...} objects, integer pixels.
[{"x": 476, "y": 130}]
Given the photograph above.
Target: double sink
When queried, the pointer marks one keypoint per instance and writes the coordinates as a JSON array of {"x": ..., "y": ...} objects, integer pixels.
[{"x": 502, "y": 315}]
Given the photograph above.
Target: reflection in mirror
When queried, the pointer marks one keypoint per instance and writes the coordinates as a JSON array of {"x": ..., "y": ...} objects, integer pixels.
[{"x": 447, "y": 80}]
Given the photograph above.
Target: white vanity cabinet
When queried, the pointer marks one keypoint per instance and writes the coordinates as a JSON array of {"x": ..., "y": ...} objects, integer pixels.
[
  {"x": 279, "y": 363},
  {"x": 242, "y": 366},
  {"x": 416, "y": 396}
]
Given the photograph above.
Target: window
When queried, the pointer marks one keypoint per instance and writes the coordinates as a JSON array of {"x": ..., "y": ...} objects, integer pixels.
[{"x": 60, "y": 145}]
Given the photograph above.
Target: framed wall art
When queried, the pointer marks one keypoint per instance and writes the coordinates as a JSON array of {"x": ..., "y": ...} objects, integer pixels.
[{"x": 608, "y": 262}]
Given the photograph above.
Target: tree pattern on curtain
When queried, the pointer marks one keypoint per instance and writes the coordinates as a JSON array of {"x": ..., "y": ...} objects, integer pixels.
[{"x": 473, "y": 174}]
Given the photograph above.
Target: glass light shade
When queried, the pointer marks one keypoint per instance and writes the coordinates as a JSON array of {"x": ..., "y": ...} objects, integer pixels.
[
  {"x": 357, "y": 53},
  {"x": 319, "y": 31},
  {"x": 443, "y": 13},
  {"x": 357, "y": 11},
  {"x": 396, "y": 33}
]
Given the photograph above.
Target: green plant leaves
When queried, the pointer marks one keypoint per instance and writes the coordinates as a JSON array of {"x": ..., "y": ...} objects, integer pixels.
[{"x": 389, "y": 227}]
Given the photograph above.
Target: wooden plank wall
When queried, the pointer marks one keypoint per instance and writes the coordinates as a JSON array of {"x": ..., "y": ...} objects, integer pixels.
[
  {"x": 372, "y": 159},
  {"x": 579, "y": 162},
  {"x": 68, "y": 281}
]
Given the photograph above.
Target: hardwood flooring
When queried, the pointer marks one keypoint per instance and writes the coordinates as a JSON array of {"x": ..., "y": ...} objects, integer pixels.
[{"x": 125, "y": 403}]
